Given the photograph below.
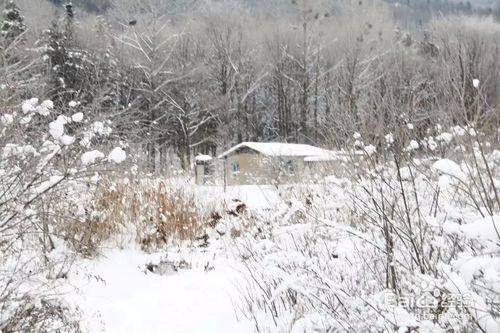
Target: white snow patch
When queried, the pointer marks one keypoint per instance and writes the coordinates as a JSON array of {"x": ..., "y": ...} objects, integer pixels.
[
  {"x": 413, "y": 145},
  {"x": 125, "y": 298},
  {"x": 445, "y": 137},
  {"x": 48, "y": 104},
  {"x": 389, "y": 139},
  {"x": 91, "y": 157},
  {"x": 457, "y": 130},
  {"x": 117, "y": 155},
  {"x": 67, "y": 140},
  {"x": 370, "y": 150},
  {"x": 77, "y": 117},
  {"x": 484, "y": 228},
  {"x": 431, "y": 144},
  {"x": 29, "y": 105},
  {"x": 56, "y": 128},
  {"x": 203, "y": 158},
  {"x": 450, "y": 168},
  {"x": 7, "y": 119},
  {"x": 52, "y": 181},
  {"x": 98, "y": 127}
]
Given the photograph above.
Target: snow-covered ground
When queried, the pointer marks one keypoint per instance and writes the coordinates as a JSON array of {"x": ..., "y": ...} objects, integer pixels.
[
  {"x": 255, "y": 196},
  {"x": 293, "y": 258},
  {"x": 116, "y": 293}
]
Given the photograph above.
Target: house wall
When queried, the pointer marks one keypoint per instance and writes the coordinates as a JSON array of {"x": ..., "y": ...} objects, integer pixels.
[
  {"x": 251, "y": 170},
  {"x": 258, "y": 169}
]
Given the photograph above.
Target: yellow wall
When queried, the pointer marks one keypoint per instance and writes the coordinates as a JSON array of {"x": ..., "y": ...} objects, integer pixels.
[{"x": 259, "y": 169}]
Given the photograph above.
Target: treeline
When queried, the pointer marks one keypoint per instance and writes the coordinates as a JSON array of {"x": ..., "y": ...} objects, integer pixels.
[{"x": 307, "y": 71}]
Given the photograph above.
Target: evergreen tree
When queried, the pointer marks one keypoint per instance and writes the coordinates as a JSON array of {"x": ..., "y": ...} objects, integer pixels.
[
  {"x": 108, "y": 75},
  {"x": 70, "y": 66}
]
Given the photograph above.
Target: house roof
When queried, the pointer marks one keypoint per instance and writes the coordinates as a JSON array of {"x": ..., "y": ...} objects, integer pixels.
[{"x": 278, "y": 149}]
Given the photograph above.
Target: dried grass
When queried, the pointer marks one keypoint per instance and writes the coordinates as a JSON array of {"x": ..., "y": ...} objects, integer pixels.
[
  {"x": 158, "y": 214},
  {"x": 169, "y": 214}
]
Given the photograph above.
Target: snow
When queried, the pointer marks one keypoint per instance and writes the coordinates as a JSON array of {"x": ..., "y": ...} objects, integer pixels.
[
  {"x": 370, "y": 150},
  {"x": 117, "y": 155},
  {"x": 278, "y": 149},
  {"x": 401, "y": 318},
  {"x": 7, "y": 119},
  {"x": 32, "y": 106},
  {"x": 91, "y": 157},
  {"x": 117, "y": 294},
  {"x": 53, "y": 180},
  {"x": 325, "y": 157},
  {"x": 56, "y": 128},
  {"x": 77, "y": 117},
  {"x": 389, "y": 138},
  {"x": 25, "y": 120},
  {"x": 67, "y": 140},
  {"x": 485, "y": 228},
  {"x": 450, "y": 168},
  {"x": 254, "y": 196},
  {"x": 413, "y": 145},
  {"x": 12, "y": 149},
  {"x": 445, "y": 137},
  {"x": 333, "y": 156},
  {"x": 98, "y": 127},
  {"x": 48, "y": 104},
  {"x": 203, "y": 158},
  {"x": 431, "y": 144},
  {"x": 406, "y": 173},
  {"x": 457, "y": 130},
  {"x": 29, "y": 105}
]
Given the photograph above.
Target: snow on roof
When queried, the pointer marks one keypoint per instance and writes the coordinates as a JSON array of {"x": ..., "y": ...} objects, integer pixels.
[
  {"x": 278, "y": 149},
  {"x": 333, "y": 156},
  {"x": 330, "y": 155},
  {"x": 203, "y": 158}
]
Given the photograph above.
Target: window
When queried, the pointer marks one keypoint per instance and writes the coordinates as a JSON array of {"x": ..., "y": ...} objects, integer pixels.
[{"x": 235, "y": 168}]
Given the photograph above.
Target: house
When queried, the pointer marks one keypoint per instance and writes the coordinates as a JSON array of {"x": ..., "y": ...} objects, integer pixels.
[{"x": 269, "y": 162}]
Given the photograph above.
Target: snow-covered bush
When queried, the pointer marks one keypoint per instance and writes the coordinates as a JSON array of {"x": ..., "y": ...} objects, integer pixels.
[
  {"x": 410, "y": 244},
  {"x": 44, "y": 167}
]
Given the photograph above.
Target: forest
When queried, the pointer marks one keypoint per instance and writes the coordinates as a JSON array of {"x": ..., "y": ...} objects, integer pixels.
[{"x": 178, "y": 78}]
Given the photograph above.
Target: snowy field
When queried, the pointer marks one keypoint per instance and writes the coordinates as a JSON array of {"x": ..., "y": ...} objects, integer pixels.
[{"x": 117, "y": 293}]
